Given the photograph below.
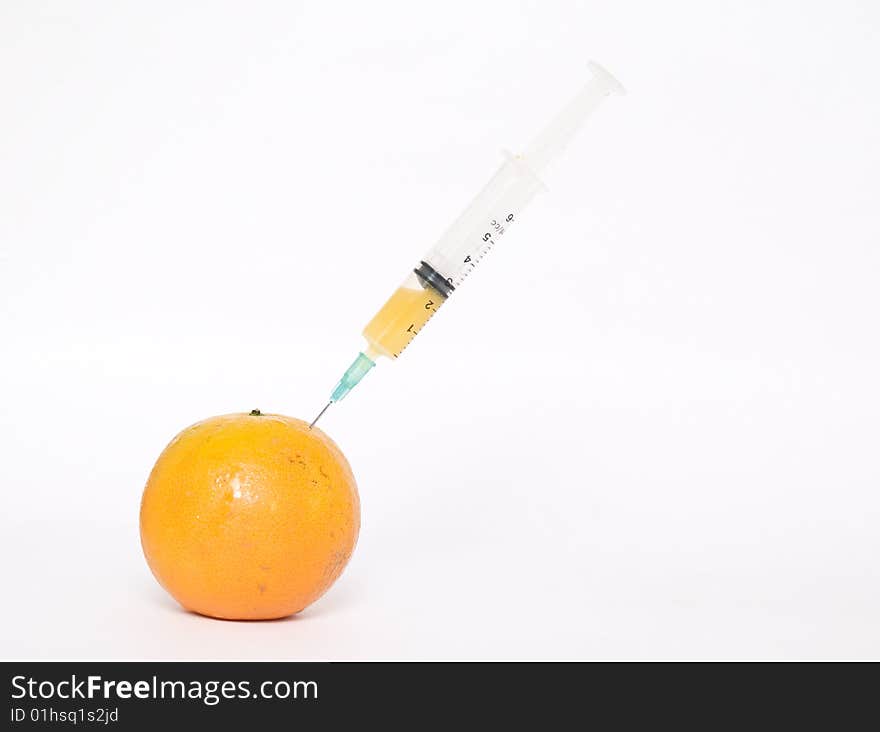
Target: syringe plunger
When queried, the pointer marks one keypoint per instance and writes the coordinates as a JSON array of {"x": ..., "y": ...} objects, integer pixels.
[{"x": 556, "y": 136}]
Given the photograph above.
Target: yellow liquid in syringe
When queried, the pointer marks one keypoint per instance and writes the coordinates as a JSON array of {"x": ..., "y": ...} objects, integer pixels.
[{"x": 397, "y": 323}]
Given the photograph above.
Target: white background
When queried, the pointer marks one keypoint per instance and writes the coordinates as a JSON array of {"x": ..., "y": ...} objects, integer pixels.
[{"x": 646, "y": 428}]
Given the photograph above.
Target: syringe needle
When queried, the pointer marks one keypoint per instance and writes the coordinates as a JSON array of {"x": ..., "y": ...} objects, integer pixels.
[{"x": 326, "y": 407}]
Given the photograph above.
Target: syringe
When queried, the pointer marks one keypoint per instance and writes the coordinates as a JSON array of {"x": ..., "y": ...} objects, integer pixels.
[{"x": 487, "y": 219}]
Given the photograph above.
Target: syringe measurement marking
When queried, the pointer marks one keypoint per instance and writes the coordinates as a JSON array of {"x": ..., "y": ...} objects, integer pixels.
[
  {"x": 412, "y": 327},
  {"x": 428, "y": 306},
  {"x": 489, "y": 240}
]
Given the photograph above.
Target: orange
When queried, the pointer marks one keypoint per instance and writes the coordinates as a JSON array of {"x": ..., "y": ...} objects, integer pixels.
[{"x": 249, "y": 516}]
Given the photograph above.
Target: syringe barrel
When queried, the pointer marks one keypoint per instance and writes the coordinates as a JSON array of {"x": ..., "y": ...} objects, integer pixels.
[
  {"x": 482, "y": 224},
  {"x": 485, "y": 221},
  {"x": 452, "y": 258}
]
